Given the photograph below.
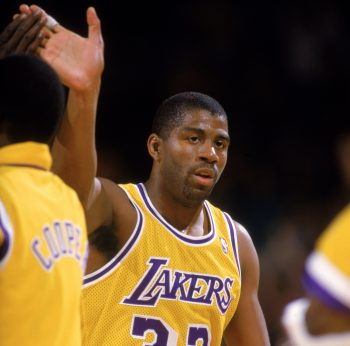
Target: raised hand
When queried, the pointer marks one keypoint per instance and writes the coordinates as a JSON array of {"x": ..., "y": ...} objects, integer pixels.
[
  {"x": 79, "y": 61},
  {"x": 23, "y": 35}
]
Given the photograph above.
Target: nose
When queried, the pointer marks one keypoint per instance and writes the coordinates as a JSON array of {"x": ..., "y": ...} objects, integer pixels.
[{"x": 208, "y": 153}]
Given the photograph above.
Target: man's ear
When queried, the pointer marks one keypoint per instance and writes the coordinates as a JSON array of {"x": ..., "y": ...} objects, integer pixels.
[{"x": 154, "y": 144}]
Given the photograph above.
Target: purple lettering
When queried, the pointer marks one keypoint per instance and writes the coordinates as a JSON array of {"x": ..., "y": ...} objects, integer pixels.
[
  {"x": 70, "y": 236},
  {"x": 137, "y": 297},
  {"x": 51, "y": 242},
  {"x": 59, "y": 235},
  {"x": 46, "y": 263},
  {"x": 77, "y": 243},
  {"x": 161, "y": 283}
]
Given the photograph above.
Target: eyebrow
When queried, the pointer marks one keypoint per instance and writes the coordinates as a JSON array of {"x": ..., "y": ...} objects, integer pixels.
[{"x": 196, "y": 129}]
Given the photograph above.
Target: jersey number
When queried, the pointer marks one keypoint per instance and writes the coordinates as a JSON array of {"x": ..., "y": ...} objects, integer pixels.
[{"x": 164, "y": 335}]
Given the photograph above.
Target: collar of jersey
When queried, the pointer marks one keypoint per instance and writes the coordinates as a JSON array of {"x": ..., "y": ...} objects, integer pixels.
[{"x": 26, "y": 154}]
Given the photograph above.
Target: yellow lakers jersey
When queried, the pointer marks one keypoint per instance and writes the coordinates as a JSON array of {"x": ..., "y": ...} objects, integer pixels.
[
  {"x": 43, "y": 244},
  {"x": 327, "y": 272},
  {"x": 164, "y": 287}
]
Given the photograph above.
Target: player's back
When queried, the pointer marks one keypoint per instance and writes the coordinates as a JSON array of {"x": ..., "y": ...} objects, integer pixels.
[{"x": 44, "y": 248}]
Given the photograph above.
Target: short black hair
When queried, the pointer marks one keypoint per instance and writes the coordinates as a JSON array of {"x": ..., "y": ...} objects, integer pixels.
[
  {"x": 32, "y": 99},
  {"x": 172, "y": 111}
]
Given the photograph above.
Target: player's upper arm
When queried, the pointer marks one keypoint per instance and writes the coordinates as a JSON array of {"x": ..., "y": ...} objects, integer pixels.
[
  {"x": 108, "y": 204},
  {"x": 98, "y": 208},
  {"x": 248, "y": 327}
]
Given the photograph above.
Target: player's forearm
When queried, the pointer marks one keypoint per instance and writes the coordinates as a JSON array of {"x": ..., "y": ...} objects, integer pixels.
[{"x": 74, "y": 148}]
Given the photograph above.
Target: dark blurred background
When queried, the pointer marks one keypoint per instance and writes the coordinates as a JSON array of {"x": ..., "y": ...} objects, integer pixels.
[{"x": 281, "y": 71}]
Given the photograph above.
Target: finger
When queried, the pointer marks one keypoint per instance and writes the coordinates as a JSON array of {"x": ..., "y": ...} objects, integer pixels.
[
  {"x": 52, "y": 23},
  {"x": 26, "y": 32},
  {"x": 10, "y": 29},
  {"x": 43, "y": 43},
  {"x": 33, "y": 37},
  {"x": 24, "y": 8},
  {"x": 46, "y": 32},
  {"x": 36, "y": 8},
  {"x": 34, "y": 45},
  {"x": 94, "y": 23}
]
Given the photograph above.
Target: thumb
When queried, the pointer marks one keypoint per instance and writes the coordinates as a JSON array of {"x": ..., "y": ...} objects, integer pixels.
[{"x": 94, "y": 23}]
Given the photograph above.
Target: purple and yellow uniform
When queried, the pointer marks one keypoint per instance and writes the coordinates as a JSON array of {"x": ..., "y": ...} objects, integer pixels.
[
  {"x": 43, "y": 243},
  {"x": 160, "y": 288}
]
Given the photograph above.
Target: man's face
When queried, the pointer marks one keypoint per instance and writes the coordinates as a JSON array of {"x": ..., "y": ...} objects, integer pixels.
[{"x": 195, "y": 155}]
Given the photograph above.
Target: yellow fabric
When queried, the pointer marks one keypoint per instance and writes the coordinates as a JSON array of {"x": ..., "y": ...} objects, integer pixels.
[
  {"x": 27, "y": 153},
  {"x": 44, "y": 232},
  {"x": 193, "y": 290},
  {"x": 335, "y": 242}
]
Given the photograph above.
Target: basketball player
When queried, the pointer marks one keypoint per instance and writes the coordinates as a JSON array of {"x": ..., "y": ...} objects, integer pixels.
[
  {"x": 322, "y": 318},
  {"x": 43, "y": 238},
  {"x": 166, "y": 266}
]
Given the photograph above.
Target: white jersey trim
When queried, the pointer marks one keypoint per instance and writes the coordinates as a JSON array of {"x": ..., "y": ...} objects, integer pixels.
[
  {"x": 293, "y": 320},
  {"x": 7, "y": 230},
  {"x": 329, "y": 277},
  {"x": 184, "y": 238},
  {"x": 231, "y": 226},
  {"x": 115, "y": 262}
]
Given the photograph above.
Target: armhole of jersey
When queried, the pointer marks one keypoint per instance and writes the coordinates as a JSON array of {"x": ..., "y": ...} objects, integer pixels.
[
  {"x": 233, "y": 237},
  {"x": 109, "y": 267},
  {"x": 7, "y": 234}
]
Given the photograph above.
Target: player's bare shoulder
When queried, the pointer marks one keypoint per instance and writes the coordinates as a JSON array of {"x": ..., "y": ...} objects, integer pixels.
[
  {"x": 247, "y": 252},
  {"x": 242, "y": 234},
  {"x": 122, "y": 213}
]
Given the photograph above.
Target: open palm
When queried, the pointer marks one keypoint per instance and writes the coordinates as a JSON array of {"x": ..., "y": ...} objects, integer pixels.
[{"x": 79, "y": 61}]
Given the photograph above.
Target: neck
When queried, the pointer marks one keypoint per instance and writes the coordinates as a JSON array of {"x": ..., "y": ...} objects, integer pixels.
[
  {"x": 191, "y": 220},
  {"x": 196, "y": 228}
]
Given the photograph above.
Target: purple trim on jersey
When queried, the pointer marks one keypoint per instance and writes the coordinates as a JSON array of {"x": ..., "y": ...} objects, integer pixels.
[
  {"x": 233, "y": 240},
  {"x": 173, "y": 230},
  {"x": 6, "y": 244},
  {"x": 115, "y": 261},
  {"x": 314, "y": 288}
]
